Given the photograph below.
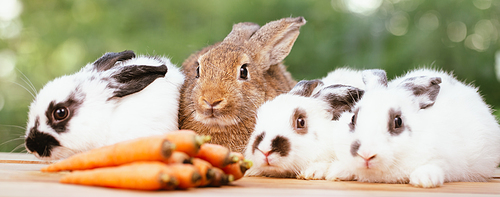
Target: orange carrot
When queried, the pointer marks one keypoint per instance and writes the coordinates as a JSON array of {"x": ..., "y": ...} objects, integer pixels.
[
  {"x": 187, "y": 141},
  {"x": 187, "y": 175},
  {"x": 220, "y": 178},
  {"x": 153, "y": 148},
  {"x": 205, "y": 169},
  {"x": 238, "y": 169},
  {"x": 219, "y": 156},
  {"x": 138, "y": 175},
  {"x": 178, "y": 157}
]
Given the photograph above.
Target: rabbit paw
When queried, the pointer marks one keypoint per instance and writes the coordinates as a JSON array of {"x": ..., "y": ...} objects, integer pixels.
[
  {"x": 427, "y": 176},
  {"x": 337, "y": 173},
  {"x": 315, "y": 171}
]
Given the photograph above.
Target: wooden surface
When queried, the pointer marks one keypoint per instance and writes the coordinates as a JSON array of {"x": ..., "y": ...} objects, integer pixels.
[{"x": 20, "y": 176}]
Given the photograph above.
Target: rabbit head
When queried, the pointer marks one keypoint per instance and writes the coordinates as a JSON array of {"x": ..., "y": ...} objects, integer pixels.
[
  {"x": 227, "y": 82},
  {"x": 294, "y": 130}
]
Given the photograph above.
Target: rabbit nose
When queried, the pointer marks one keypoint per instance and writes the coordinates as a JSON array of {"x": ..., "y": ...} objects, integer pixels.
[
  {"x": 267, "y": 153},
  {"x": 213, "y": 103},
  {"x": 367, "y": 157}
]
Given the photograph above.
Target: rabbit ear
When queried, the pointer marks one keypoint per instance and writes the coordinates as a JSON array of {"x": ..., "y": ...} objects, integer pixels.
[
  {"x": 340, "y": 97},
  {"x": 132, "y": 79},
  {"x": 241, "y": 32},
  {"x": 305, "y": 87},
  {"x": 108, "y": 60},
  {"x": 374, "y": 78},
  {"x": 274, "y": 40},
  {"x": 425, "y": 89}
]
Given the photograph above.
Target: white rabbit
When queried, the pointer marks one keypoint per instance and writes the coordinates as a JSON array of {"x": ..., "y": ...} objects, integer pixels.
[
  {"x": 293, "y": 132},
  {"x": 424, "y": 128},
  {"x": 116, "y": 98}
]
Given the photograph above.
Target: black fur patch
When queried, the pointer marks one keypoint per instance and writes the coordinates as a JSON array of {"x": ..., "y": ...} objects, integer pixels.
[
  {"x": 72, "y": 104},
  {"x": 425, "y": 87},
  {"x": 132, "y": 79},
  {"x": 340, "y": 102},
  {"x": 280, "y": 145},
  {"x": 39, "y": 142},
  {"x": 257, "y": 141},
  {"x": 108, "y": 60},
  {"x": 305, "y": 88},
  {"x": 355, "y": 147},
  {"x": 352, "y": 124}
]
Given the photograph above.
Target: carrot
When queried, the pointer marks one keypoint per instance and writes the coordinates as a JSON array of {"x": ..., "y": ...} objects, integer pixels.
[
  {"x": 220, "y": 178},
  {"x": 178, "y": 157},
  {"x": 153, "y": 148},
  {"x": 219, "y": 156},
  {"x": 187, "y": 175},
  {"x": 187, "y": 141},
  {"x": 205, "y": 169},
  {"x": 138, "y": 175},
  {"x": 238, "y": 169}
]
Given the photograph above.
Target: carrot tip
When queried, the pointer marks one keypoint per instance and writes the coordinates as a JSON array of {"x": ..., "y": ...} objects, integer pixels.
[
  {"x": 202, "y": 139},
  {"x": 196, "y": 178},
  {"x": 230, "y": 178},
  {"x": 234, "y": 158},
  {"x": 245, "y": 165},
  {"x": 168, "y": 182},
  {"x": 167, "y": 148},
  {"x": 210, "y": 174}
]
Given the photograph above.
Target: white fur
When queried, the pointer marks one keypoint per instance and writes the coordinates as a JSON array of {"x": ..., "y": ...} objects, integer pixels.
[
  {"x": 100, "y": 121},
  {"x": 275, "y": 118},
  {"x": 310, "y": 153},
  {"x": 456, "y": 139}
]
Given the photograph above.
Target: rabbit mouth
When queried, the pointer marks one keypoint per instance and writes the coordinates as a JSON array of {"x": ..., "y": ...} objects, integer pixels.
[{"x": 216, "y": 119}]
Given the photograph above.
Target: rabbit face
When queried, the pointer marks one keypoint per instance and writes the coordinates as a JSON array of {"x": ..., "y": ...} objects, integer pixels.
[{"x": 219, "y": 83}]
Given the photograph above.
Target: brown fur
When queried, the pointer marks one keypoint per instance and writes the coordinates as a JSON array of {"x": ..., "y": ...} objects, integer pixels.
[{"x": 225, "y": 103}]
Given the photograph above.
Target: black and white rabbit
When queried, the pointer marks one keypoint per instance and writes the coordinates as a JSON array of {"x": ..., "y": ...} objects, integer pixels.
[
  {"x": 117, "y": 97},
  {"x": 293, "y": 132},
  {"x": 424, "y": 128}
]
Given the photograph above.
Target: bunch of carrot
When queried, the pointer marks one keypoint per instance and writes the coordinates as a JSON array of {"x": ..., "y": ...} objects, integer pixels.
[{"x": 177, "y": 160}]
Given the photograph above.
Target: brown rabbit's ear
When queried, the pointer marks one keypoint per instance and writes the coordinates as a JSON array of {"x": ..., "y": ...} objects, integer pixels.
[
  {"x": 274, "y": 40},
  {"x": 241, "y": 32},
  {"x": 108, "y": 60}
]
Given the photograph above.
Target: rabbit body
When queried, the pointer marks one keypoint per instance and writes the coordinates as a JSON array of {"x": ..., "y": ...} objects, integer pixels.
[
  {"x": 293, "y": 133},
  {"x": 118, "y": 97},
  {"x": 424, "y": 128}
]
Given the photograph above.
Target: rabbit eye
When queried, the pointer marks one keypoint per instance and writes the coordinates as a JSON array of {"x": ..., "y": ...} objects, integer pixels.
[
  {"x": 301, "y": 123},
  {"x": 398, "y": 122},
  {"x": 61, "y": 113},
  {"x": 244, "y": 72},
  {"x": 198, "y": 72}
]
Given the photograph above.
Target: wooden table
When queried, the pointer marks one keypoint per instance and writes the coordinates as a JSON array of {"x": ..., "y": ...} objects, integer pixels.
[{"x": 20, "y": 176}]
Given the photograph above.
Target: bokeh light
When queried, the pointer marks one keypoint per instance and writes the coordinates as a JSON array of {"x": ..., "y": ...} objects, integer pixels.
[{"x": 457, "y": 31}]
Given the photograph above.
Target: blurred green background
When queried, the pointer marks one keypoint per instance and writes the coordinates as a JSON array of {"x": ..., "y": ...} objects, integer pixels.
[{"x": 41, "y": 40}]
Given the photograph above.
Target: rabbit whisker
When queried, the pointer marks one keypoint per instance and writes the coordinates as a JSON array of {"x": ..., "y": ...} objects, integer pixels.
[
  {"x": 18, "y": 147},
  {"x": 28, "y": 82},
  {"x": 14, "y": 139},
  {"x": 31, "y": 93}
]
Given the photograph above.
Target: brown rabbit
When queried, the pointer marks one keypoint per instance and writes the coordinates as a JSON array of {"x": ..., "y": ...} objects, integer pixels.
[{"x": 226, "y": 82}]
